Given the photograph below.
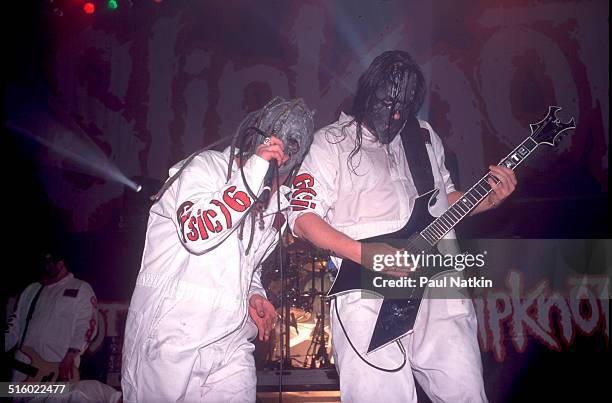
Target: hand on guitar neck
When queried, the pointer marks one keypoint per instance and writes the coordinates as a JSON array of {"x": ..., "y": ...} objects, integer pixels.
[{"x": 503, "y": 183}]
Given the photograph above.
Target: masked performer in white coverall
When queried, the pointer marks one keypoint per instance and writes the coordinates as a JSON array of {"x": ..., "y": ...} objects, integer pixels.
[
  {"x": 198, "y": 298},
  {"x": 356, "y": 183}
]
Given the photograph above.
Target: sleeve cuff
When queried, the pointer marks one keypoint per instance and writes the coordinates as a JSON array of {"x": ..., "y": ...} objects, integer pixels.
[
  {"x": 256, "y": 169},
  {"x": 259, "y": 291},
  {"x": 294, "y": 215}
]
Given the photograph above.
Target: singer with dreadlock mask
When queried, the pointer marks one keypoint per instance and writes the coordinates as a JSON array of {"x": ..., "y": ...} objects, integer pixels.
[
  {"x": 360, "y": 180},
  {"x": 198, "y": 298}
]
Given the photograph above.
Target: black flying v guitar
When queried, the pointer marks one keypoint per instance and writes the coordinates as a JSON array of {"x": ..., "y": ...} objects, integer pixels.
[{"x": 422, "y": 232}]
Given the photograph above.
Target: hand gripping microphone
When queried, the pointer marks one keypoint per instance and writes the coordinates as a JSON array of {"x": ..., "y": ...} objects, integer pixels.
[{"x": 267, "y": 189}]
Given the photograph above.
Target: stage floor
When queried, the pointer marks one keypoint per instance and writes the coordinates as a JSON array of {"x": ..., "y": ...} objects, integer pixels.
[{"x": 294, "y": 397}]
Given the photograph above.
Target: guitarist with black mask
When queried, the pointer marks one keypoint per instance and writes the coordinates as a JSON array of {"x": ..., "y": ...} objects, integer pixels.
[{"x": 360, "y": 180}]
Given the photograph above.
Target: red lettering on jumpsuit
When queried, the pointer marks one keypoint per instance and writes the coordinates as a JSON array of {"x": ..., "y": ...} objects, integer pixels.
[{"x": 303, "y": 193}]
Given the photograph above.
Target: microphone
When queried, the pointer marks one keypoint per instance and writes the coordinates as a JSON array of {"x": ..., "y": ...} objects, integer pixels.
[{"x": 267, "y": 189}]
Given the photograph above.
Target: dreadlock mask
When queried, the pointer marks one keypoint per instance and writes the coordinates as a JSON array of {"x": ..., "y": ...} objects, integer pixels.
[
  {"x": 389, "y": 93},
  {"x": 291, "y": 121}
]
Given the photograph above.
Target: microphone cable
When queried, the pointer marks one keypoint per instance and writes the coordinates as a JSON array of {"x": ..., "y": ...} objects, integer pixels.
[
  {"x": 282, "y": 291},
  {"x": 257, "y": 199}
]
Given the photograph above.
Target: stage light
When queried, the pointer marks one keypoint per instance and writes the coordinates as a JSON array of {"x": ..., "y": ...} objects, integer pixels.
[
  {"x": 89, "y": 8},
  {"x": 49, "y": 125},
  {"x": 138, "y": 188},
  {"x": 112, "y": 4}
]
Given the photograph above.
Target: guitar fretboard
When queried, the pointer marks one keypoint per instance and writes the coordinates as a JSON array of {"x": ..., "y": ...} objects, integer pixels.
[{"x": 470, "y": 199}]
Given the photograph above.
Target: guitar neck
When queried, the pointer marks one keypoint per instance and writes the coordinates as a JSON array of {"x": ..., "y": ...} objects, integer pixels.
[
  {"x": 470, "y": 199},
  {"x": 24, "y": 368}
]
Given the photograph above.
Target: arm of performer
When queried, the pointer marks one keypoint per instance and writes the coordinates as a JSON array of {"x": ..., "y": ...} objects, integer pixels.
[
  {"x": 260, "y": 309},
  {"x": 500, "y": 192},
  {"x": 313, "y": 194},
  {"x": 313, "y": 228},
  {"x": 84, "y": 330},
  {"x": 16, "y": 321},
  {"x": 205, "y": 216}
]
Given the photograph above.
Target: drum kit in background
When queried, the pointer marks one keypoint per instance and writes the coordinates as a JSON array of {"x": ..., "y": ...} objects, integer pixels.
[{"x": 302, "y": 336}]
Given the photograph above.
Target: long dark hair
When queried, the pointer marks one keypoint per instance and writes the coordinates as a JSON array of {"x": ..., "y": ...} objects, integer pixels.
[{"x": 376, "y": 75}]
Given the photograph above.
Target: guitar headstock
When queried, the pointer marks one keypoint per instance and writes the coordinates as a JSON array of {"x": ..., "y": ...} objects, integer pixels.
[{"x": 550, "y": 129}]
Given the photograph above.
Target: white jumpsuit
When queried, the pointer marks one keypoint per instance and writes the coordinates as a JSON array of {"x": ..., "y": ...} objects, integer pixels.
[
  {"x": 443, "y": 353},
  {"x": 64, "y": 317},
  {"x": 187, "y": 332}
]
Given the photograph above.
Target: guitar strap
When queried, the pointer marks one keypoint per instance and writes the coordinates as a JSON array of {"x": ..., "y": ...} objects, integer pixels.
[
  {"x": 30, "y": 313},
  {"x": 414, "y": 140}
]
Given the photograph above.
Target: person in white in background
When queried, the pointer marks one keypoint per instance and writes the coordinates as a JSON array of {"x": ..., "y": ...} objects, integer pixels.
[
  {"x": 55, "y": 317},
  {"x": 188, "y": 331}
]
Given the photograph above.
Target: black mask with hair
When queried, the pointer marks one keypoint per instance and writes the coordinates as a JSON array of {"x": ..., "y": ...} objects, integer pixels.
[
  {"x": 389, "y": 108},
  {"x": 389, "y": 92}
]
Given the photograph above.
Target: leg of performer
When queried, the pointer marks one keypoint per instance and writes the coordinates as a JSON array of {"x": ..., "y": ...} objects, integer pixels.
[
  {"x": 159, "y": 355},
  {"x": 360, "y": 382},
  {"x": 160, "y": 378},
  {"x": 445, "y": 354},
  {"x": 233, "y": 377}
]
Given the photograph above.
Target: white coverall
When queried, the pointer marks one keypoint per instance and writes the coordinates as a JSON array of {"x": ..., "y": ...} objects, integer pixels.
[
  {"x": 443, "y": 353},
  {"x": 64, "y": 317},
  {"x": 188, "y": 330}
]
